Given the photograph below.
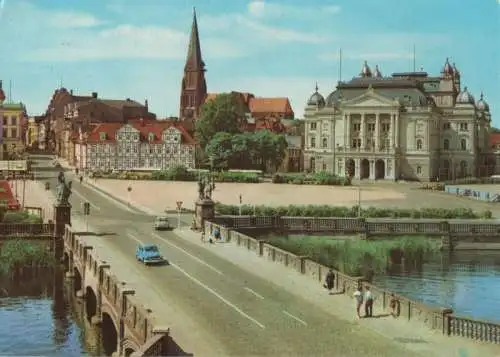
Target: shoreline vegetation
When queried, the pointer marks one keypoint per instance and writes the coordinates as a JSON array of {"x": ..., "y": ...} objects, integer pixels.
[
  {"x": 17, "y": 255},
  {"x": 350, "y": 212},
  {"x": 360, "y": 257}
]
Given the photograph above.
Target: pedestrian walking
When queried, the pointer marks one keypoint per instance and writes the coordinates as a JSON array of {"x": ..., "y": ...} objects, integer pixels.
[
  {"x": 358, "y": 296},
  {"x": 368, "y": 302},
  {"x": 329, "y": 281},
  {"x": 203, "y": 236}
]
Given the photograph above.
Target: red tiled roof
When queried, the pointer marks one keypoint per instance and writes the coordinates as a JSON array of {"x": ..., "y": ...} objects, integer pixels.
[
  {"x": 494, "y": 139},
  {"x": 7, "y": 195},
  {"x": 270, "y": 105},
  {"x": 145, "y": 127}
]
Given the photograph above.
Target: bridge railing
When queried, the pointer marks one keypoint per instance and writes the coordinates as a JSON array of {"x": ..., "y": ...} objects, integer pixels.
[
  {"x": 437, "y": 318},
  {"x": 138, "y": 318},
  {"x": 26, "y": 229}
]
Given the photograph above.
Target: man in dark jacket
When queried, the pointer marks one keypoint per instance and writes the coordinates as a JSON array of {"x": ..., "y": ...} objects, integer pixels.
[{"x": 330, "y": 281}]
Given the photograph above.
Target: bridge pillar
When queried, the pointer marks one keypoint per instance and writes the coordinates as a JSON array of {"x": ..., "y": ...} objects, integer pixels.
[
  {"x": 62, "y": 217},
  {"x": 204, "y": 210},
  {"x": 123, "y": 313},
  {"x": 98, "y": 317}
]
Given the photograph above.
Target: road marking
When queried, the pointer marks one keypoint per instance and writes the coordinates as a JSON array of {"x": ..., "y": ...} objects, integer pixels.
[
  {"x": 134, "y": 238},
  {"x": 216, "y": 294},
  {"x": 85, "y": 199},
  {"x": 189, "y": 254},
  {"x": 254, "y": 293},
  {"x": 295, "y": 318},
  {"x": 207, "y": 288}
]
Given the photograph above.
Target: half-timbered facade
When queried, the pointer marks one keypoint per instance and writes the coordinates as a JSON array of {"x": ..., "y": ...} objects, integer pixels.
[{"x": 137, "y": 145}]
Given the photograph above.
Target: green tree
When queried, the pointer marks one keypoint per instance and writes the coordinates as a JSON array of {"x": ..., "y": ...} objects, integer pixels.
[
  {"x": 222, "y": 114},
  {"x": 271, "y": 149},
  {"x": 245, "y": 150},
  {"x": 220, "y": 149}
]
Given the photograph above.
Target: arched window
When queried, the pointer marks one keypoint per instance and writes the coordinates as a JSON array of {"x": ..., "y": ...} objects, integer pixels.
[
  {"x": 419, "y": 170},
  {"x": 324, "y": 144},
  {"x": 463, "y": 144},
  {"x": 446, "y": 144},
  {"x": 419, "y": 144},
  {"x": 313, "y": 142}
]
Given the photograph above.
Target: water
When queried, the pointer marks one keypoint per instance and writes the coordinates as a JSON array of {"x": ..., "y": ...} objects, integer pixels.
[
  {"x": 468, "y": 282},
  {"x": 40, "y": 319}
]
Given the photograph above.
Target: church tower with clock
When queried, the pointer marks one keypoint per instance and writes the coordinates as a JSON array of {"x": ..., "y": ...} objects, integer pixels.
[{"x": 194, "y": 86}]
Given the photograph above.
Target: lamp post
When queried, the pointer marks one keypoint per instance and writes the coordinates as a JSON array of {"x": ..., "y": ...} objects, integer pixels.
[
  {"x": 359, "y": 201},
  {"x": 241, "y": 203},
  {"x": 129, "y": 193}
]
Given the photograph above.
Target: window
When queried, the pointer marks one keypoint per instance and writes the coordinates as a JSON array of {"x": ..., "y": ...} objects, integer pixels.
[
  {"x": 13, "y": 133},
  {"x": 356, "y": 127},
  {"x": 446, "y": 144},
  {"x": 386, "y": 127},
  {"x": 463, "y": 144},
  {"x": 419, "y": 144},
  {"x": 324, "y": 144},
  {"x": 151, "y": 136},
  {"x": 102, "y": 136},
  {"x": 313, "y": 126},
  {"x": 5, "y": 134},
  {"x": 446, "y": 126},
  {"x": 4, "y": 120},
  {"x": 313, "y": 142},
  {"x": 419, "y": 170},
  {"x": 13, "y": 120},
  {"x": 371, "y": 127},
  {"x": 324, "y": 167},
  {"x": 356, "y": 143},
  {"x": 464, "y": 127}
]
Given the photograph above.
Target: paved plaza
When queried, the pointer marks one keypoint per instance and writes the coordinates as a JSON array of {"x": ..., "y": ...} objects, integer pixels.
[{"x": 159, "y": 196}]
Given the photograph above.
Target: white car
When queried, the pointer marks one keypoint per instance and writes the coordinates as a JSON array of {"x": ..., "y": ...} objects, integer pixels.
[{"x": 161, "y": 223}]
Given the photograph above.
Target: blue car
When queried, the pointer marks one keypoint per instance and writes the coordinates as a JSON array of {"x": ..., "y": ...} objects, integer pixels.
[{"x": 149, "y": 254}]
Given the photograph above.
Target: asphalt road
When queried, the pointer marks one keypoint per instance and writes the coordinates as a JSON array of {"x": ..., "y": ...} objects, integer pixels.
[{"x": 246, "y": 314}]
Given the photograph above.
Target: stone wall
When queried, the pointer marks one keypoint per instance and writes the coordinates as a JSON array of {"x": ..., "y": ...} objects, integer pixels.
[
  {"x": 450, "y": 231},
  {"x": 441, "y": 319},
  {"x": 138, "y": 320}
]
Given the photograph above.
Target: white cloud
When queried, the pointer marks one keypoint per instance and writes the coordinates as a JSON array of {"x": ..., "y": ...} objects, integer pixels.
[
  {"x": 72, "y": 20},
  {"x": 264, "y": 9},
  {"x": 281, "y": 34}
]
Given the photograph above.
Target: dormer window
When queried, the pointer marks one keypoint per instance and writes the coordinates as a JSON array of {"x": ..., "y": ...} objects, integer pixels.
[
  {"x": 151, "y": 137},
  {"x": 102, "y": 136}
]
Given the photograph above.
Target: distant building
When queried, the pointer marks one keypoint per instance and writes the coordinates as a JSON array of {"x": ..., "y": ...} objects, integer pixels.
[
  {"x": 32, "y": 132},
  {"x": 137, "y": 145},
  {"x": 12, "y": 118},
  {"x": 67, "y": 114},
  {"x": 408, "y": 126}
]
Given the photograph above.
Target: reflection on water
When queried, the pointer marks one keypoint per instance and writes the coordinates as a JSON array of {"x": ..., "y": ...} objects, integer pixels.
[
  {"x": 40, "y": 318},
  {"x": 468, "y": 282}
]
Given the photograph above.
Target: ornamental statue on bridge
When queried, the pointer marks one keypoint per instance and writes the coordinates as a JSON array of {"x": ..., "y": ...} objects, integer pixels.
[
  {"x": 204, "y": 205},
  {"x": 63, "y": 190}
]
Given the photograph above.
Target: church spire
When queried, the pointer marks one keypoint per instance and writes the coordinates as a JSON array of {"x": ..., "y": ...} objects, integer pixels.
[
  {"x": 194, "y": 60},
  {"x": 194, "y": 86}
]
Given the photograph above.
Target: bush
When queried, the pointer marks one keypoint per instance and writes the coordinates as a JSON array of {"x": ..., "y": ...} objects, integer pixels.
[
  {"x": 320, "y": 178},
  {"x": 21, "y": 217},
  {"x": 357, "y": 257},
  {"x": 16, "y": 254},
  {"x": 342, "y": 211},
  {"x": 231, "y": 176},
  {"x": 433, "y": 186}
]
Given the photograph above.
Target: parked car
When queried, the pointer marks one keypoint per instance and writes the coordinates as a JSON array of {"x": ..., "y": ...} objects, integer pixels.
[
  {"x": 149, "y": 254},
  {"x": 161, "y": 223}
]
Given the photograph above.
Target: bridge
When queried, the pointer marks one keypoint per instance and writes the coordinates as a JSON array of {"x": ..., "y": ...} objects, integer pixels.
[
  {"x": 128, "y": 328},
  {"x": 209, "y": 300}
]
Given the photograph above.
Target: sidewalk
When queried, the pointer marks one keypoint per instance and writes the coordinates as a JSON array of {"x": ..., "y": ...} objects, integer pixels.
[{"x": 413, "y": 335}]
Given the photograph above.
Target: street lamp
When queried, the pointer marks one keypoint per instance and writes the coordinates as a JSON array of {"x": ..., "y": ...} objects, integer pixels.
[{"x": 129, "y": 193}]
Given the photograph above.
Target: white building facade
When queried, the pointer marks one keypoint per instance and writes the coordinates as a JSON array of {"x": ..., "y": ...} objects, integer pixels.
[
  {"x": 408, "y": 126},
  {"x": 144, "y": 147}
]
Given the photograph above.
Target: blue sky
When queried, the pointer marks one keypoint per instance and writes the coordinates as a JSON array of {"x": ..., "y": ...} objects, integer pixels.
[{"x": 137, "y": 48}]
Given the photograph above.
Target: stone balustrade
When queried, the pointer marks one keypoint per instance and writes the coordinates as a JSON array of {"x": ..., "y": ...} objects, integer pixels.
[
  {"x": 140, "y": 333},
  {"x": 32, "y": 230},
  {"x": 441, "y": 319}
]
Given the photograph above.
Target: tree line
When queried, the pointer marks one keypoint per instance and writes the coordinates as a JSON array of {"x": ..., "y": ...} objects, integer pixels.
[{"x": 220, "y": 132}]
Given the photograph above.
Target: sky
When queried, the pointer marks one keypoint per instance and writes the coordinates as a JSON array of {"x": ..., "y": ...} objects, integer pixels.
[{"x": 137, "y": 48}]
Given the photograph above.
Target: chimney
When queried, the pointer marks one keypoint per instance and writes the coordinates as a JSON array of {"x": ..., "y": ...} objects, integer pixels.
[
  {"x": 71, "y": 92},
  {"x": 94, "y": 95},
  {"x": 128, "y": 99},
  {"x": 146, "y": 104}
]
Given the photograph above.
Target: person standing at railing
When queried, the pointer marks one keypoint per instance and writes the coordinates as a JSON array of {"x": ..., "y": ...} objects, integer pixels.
[
  {"x": 329, "y": 281},
  {"x": 358, "y": 295},
  {"x": 368, "y": 302}
]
